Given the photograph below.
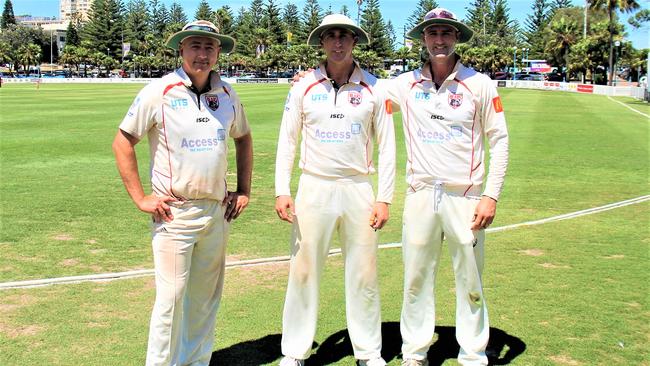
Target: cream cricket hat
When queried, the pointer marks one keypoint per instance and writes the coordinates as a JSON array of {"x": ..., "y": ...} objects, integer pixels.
[
  {"x": 336, "y": 21},
  {"x": 201, "y": 28},
  {"x": 445, "y": 17}
]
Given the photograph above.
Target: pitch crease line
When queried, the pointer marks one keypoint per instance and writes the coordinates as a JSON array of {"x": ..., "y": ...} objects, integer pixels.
[{"x": 280, "y": 259}]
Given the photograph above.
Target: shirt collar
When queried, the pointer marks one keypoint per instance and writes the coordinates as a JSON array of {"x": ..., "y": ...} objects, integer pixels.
[
  {"x": 214, "y": 77},
  {"x": 356, "y": 76},
  {"x": 451, "y": 76}
]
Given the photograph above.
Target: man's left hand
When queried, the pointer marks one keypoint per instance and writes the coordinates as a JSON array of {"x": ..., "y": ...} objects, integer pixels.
[
  {"x": 379, "y": 215},
  {"x": 484, "y": 213},
  {"x": 235, "y": 203}
]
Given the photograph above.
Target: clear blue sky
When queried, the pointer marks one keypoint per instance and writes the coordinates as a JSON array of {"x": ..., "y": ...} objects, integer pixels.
[{"x": 395, "y": 10}]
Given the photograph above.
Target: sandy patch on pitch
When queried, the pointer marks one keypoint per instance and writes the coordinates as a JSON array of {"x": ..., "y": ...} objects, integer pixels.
[
  {"x": 552, "y": 266},
  {"x": 22, "y": 331},
  {"x": 615, "y": 256},
  {"x": 532, "y": 252},
  {"x": 564, "y": 360},
  {"x": 63, "y": 237},
  {"x": 69, "y": 262}
]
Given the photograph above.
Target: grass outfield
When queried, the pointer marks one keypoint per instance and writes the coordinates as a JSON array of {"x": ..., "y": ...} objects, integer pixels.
[{"x": 572, "y": 292}]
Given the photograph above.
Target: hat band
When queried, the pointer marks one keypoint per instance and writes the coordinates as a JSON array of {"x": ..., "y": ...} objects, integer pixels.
[
  {"x": 216, "y": 39},
  {"x": 204, "y": 28}
]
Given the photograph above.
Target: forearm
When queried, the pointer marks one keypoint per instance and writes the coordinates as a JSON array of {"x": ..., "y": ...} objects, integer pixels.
[
  {"x": 127, "y": 165},
  {"x": 244, "y": 158}
]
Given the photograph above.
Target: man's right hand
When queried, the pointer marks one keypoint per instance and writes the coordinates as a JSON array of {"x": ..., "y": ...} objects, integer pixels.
[
  {"x": 284, "y": 208},
  {"x": 299, "y": 75},
  {"x": 157, "y": 206}
]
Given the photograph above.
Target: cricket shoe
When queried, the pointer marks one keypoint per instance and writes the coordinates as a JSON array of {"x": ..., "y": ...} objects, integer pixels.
[
  {"x": 290, "y": 361},
  {"x": 414, "y": 362},
  {"x": 374, "y": 362}
]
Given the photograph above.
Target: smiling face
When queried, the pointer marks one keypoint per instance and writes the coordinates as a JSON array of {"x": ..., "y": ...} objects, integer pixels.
[
  {"x": 199, "y": 54},
  {"x": 440, "y": 41},
  {"x": 337, "y": 44}
]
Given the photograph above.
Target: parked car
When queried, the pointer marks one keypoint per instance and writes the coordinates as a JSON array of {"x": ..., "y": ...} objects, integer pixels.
[
  {"x": 501, "y": 75},
  {"x": 534, "y": 76}
]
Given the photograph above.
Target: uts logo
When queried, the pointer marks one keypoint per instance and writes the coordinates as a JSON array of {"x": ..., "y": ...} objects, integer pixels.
[
  {"x": 354, "y": 98},
  {"x": 319, "y": 98},
  {"x": 178, "y": 103},
  {"x": 422, "y": 96},
  {"x": 455, "y": 100},
  {"x": 355, "y": 128},
  {"x": 213, "y": 102}
]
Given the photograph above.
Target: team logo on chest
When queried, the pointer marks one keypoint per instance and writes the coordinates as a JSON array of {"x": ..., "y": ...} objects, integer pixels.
[
  {"x": 455, "y": 100},
  {"x": 213, "y": 102},
  {"x": 354, "y": 97}
]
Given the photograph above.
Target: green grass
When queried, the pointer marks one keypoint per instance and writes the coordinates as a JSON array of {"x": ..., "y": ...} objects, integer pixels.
[{"x": 572, "y": 292}]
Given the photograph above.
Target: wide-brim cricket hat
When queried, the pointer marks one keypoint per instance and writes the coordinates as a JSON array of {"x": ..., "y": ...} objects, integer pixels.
[
  {"x": 201, "y": 28},
  {"x": 441, "y": 16},
  {"x": 336, "y": 21}
]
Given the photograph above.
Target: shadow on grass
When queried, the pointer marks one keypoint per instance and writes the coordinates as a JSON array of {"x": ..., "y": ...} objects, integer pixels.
[{"x": 502, "y": 349}]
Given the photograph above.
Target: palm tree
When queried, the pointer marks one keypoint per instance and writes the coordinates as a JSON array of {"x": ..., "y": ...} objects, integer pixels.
[
  {"x": 562, "y": 34},
  {"x": 29, "y": 54},
  {"x": 625, "y": 6},
  {"x": 5, "y": 53}
]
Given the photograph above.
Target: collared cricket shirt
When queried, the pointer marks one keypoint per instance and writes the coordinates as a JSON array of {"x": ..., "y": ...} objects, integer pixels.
[
  {"x": 187, "y": 134},
  {"x": 445, "y": 129},
  {"x": 336, "y": 131}
]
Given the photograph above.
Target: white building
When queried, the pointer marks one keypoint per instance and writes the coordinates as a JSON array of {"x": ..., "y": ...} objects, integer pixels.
[{"x": 67, "y": 8}]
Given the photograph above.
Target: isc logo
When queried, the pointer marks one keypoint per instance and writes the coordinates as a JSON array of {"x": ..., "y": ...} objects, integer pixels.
[
  {"x": 202, "y": 120},
  {"x": 337, "y": 115},
  {"x": 437, "y": 116}
]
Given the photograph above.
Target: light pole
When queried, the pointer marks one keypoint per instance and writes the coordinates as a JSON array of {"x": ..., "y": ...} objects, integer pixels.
[
  {"x": 359, "y": 2},
  {"x": 51, "y": 61},
  {"x": 514, "y": 65},
  {"x": 618, "y": 54}
]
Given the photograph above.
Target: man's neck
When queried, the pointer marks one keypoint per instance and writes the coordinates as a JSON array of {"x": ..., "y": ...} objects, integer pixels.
[
  {"x": 200, "y": 80},
  {"x": 441, "y": 69},
  {"x": 339, "y": 72}
]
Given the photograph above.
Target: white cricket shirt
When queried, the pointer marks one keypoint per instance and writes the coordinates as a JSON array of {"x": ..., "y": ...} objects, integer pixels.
[
  {"x": 445, "y": 129},
  {"x": 336, "y": 131},
  {"x": 187, "y": 134}
]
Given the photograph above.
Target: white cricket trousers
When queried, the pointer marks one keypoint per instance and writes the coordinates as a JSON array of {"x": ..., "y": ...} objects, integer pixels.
[
  {"x": 189, "y": 261},
  {"x": 429, "y": 215},
  {"x": 324, "y": 206}
]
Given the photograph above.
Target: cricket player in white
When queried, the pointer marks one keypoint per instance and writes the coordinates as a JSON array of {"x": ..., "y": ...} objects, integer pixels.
[
  {"x": 335, "y": 113},
  {"x": 448, "y": 111},
  {"x": 187, "y": 117}
]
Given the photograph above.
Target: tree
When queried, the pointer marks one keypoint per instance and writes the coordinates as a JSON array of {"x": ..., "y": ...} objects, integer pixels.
[
  {"x": 137, "y": 22},
  {"x": 204, "y": 12},
  {"x": 560, "y": 4},
  {"x": 624, "y": 6},
  {"x": 641, "y": 17},
  {"x": 502, "y": 28},
  {"x": 423, "y": 7},
  {"x": 292, "y": 24},
  {"x": 71, "y": 34},
  {"x": 224, "y": 20},
  {"x": 19, "y": 35},
  {"x": 243, "y": 32},
  {"x": 373, "y": 23},
  {"x": 158, "y": 18},
  {"x": 177, "y": 17},
  {"x": 534, "y": 26},
  {"x": 29, "y": 54},
  {"x": 311, "y": 16},
  {"x": 105, "y": 26},
  {"x": 8, "y": 17},
  {"x": 272, "y": 22},
  {"x": 562, "y": 34},
  {"x": 478, "y": 15},
  {"x": 256, "y": 10},
  {"x": 345, "y": 11},
  {"x": 390, "y": 33}
]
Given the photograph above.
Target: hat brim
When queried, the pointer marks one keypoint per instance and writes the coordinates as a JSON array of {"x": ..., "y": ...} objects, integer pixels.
[
  {"x": 465, "y": 35},
  {"x": 227, "y": 42},
  {"x": 314, "y": 36}
]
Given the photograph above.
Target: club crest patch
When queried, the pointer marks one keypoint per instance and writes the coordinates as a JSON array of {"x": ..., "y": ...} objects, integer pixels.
[
  {"x": 213, "y": 102},
  {"x": 354, "y": 98},
  {"x": 455, "y": 100}
]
